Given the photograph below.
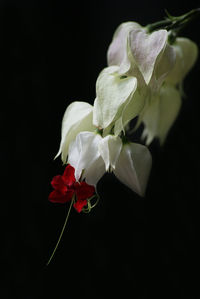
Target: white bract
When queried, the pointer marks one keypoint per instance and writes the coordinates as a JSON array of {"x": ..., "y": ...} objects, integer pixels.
[
  {"x": 117, "y": 53},
  {"x": 186, "y": 56},
  {"x": 147, "y": 56},
  {"x": 77, "y": 118},
  {"x": 110, "y": 149},
  {"x": 133, "y": 167},
  {"x": 84, "y": 156},
  {"x": 131, "y": 109},
  {"x": 164, "y": 105},
  {"x": 159, "y": 67},
  {"x": 113, "y": 92},
  {"x": 92, "y": 155},
  {"x": 160, "y": 113}
]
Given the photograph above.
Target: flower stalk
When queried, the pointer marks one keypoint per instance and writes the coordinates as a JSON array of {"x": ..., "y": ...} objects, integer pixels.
[
  {"x": 175, "y": 24},
  {"x": 62, "y": 231}
]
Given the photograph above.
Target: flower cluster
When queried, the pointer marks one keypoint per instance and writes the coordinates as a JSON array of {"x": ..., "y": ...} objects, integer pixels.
[{"x": 143, "y": 81}]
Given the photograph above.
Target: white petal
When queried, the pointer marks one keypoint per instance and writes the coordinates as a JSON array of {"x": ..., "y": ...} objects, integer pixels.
[
  {"x": 84, "y": 156},
  {"x": 110, "y": 148},
  {"x": 77, "y": 117},
  {"x": 112, "y": 93},
  {"x": 133, "y": 167},
  {"x": 146, "y": 48},
  {"x": 186, "y": 55}
]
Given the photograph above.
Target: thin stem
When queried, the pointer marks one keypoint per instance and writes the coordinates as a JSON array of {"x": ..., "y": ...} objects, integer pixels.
[{"x": 67, "y": 217}]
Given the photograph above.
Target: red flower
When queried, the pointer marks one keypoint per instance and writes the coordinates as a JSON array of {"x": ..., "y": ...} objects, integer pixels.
[{"x": 65, "y": 186}]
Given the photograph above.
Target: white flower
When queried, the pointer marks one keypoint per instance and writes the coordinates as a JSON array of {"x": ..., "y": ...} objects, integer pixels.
[
  {"x": 117, "y": 52},
  {"x": 118, "y": 100},
  {"x": 130, "y": 162},
  {"x": 77, "y": 118},
  {"x": 84, "y": 156},
  {"x": 131, "y": 109},
  {"x": 150, "y": 58},
  {"x": 110, "y": 148},
  {"x": 133, "y": 167},
  {"x": 164, "y": 105},
  {"x": 146, "y": 56},
  {"x": 91, "y": 156},
  {"x": 186, "y": 55},
  {"x": 160, "y": 113},
  {"x": 113, "y": 91}
]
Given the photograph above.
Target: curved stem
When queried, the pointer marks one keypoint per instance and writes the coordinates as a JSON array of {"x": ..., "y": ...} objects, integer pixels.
[{"x": 62, "y": 231}]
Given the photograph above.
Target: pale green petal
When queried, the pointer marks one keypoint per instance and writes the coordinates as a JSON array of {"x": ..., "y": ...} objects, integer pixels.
[
  {"x": 112, "y": 92},
  {"x": 84, "y": 156},
  {"x": 116, "y": 54},
  {"x": 146, "y": 48},
  {"x": 186, "y": 55},
  {"x": 133, "y": 167},
  {"x": 160, "y": 115},
  {"x": 110, "y": 148},
  {"x": 77, "y": 117}
]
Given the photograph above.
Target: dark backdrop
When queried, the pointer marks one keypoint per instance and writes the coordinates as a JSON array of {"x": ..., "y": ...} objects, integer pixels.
[{"x": 52, "y": 53}]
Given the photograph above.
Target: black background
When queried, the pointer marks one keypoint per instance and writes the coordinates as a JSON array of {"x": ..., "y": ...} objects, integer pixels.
[{"x": 51, "y": 55}]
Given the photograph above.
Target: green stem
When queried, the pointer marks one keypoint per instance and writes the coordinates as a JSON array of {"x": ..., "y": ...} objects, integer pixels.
[
  {"x": 172, "y": 22},
  {"x": 158, "y": 25},
  {"x": 178, "y": 22},
  {"x": 67, "y": 217}
]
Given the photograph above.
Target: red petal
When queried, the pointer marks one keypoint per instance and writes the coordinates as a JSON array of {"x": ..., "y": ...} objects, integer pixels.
[
  {"x": 79, "y": 205},
  {"x": 59, "y": 184},
  {"x": 68, "y": 175},
  {"x": 83, "y": 190},
  {"x": 58, "y": 197}
]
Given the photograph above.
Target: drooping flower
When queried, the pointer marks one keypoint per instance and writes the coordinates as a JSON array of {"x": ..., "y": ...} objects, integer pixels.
[
  {"x": 77, "y": 118},
  {"x": 133, "y": 167},
  {"x": 147, "y": 56},
  {"x": 130, "y": 162},
  {"x": 164, "y": 105},
  {"x": 117, "y": 53},
  {"x": 84, "y": 156},
  {"x": 160, "y": 113},
  {"x": 114, "y": 93},
  {"x": 65, "y": 187},
  {"x": 92, "y": 155},
  {"x": 186, "y": 56},
  {"x": 162, "y": 66}
]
